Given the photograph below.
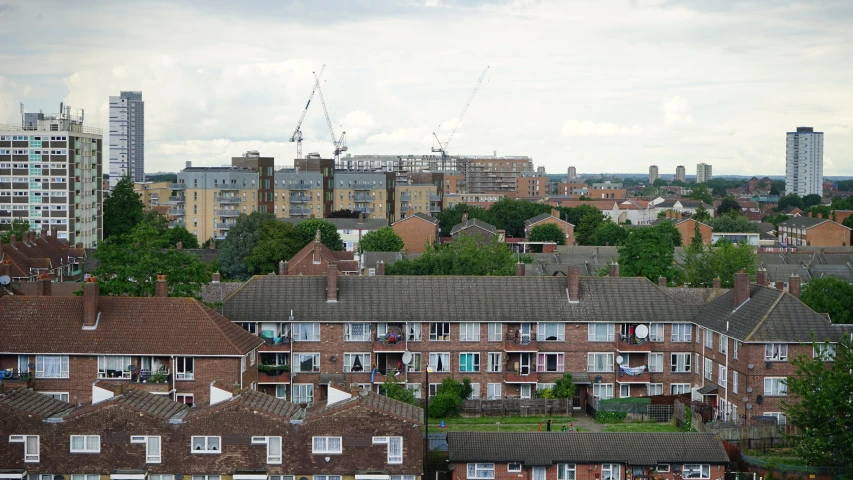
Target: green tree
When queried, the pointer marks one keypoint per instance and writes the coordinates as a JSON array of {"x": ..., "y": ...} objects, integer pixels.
[
  {"x": 823, "y": 410},
  {"x": 449, "y": 397},
  {"x": 450, "y": 217},
  {"x": 830, "y": 295},
  {"x": 122, "y": 209},
  {"x": 703, "y": 264},
  {"x": 384, "y": 239},
  {"x": 129, "y": 265},
  {"x": 344, "y": 213},
  {"x": 790, "y": 200},
  {"x": 812, "y": 200},
  {"x": 398, "y": 391},
  {"x": 775, "y": 219},
  {"x": 611, "y": 234},
  {"x": 840, "y": 203},
  {"x": 277, "y": 241},
  {"x": 848, "y": 222},
  {"x": 777, "y": 187},
  {"x": 464, "y": 256},
  {"x": 181, "y": 234},
  {"x": 733, "y": 224},
  {"x": 564, "y": 387},
  {"x": 729, "y": 204},
  {"x": 660, "y": 182},
  {"x": 701, "y": 214},
  {"x": 672, "y": 234},
  {"x": 648, "y": 252},
  {"x": 548, "y": 232},
  {"x": 510, "y": 214},
  {"x": 700, "y": 192},
  {"x": 239, "y": 243},
  {"x": 588, "y": 225},
  {"x": 328, "y": 233},
  {"x": 17, "y": 228},
  {"x": 821, "y": 211}
]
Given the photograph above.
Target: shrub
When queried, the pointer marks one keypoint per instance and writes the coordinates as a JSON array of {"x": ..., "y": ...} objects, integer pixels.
[
  {"x": 445, "y": 404},
  {"x": 610, "y": 417}
]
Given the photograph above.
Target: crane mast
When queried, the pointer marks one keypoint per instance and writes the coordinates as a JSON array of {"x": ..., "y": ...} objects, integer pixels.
[
  {"x": 297, "y": 133},
  {"x": 340, "y": 144},
  {"x": 442, "y": 147}
]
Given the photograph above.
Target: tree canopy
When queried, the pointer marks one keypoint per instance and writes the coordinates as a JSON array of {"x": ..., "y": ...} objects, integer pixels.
[
  {"x": 548, "y": 232},
  {"x": 733, "y": 224},
  {"x": 464, "y": 256},
  {"x": 239, "y": 242},
  {"x": 790, "y": 200},
  {"x": 702, "y": 214},
  {"x": 122, "y": 209},
  {"x": 729, "y": 204},
  {"x": 830, "y": 295},
  {"x": 649, "y": 252},
  {"x": 703, "y": 264},
  {"x": 820, "y": 211},
  {"x": 589, "y": 220},
  {"x": 611, "y": 234},
  {"x": 329, "y": 235},
  {"x": 701, "y": 192},
  {"x": 277, "y": 241},
  {"x": 510, "y": 214},
  {"x": 384, "y": 239},
  {"x": 812, "y": 200},
  {"x": 18, "y": 228},
  {"x": 344, "y": 213},
  {"x": 450, "y": 217}
]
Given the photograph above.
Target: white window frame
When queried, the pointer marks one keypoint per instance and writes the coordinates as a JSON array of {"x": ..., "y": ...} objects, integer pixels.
[
  {"x": 775, "y": 387},
  {"x": 566, "y": 471},
  {"x": 29, "y": 457},
  {"x": 656, "y": 362},
  {"x": 395, "y": 448},
  {"x": 415, "y": 331},
  {"x": 206, "y": 442},
  {"x": 682, "y": 387},
  {"x": 495, "y": 365},
  {"x": 63, "y": 365},
  {"x": 609, "y": 333},
  {"x": 349, "y": 360},
  {"x": 475, "y": 362},
  {"x": 274, "y": 456},
  {"x": 781, "y": 418},
  {"x": 682, "y": 332},
  {"x": 445, "y": 361},
  {"x": 614, "y": 471},
  {"x": 349, "y": 336},
  {"x": 674, "y": 363},
  {"x": 102, "y": 366},
  {"x": 320, "y": 445},
  {"x": 310, "y": 331},
  {"x": 709, "y": 369},
  {"x": 327, "y": 477},
  {"x": 724, "y": 344},
  {"x": 775, "y": 352},
  {"x": 709, "y": 338},
  {"x": 297, "y": 363},
  {"x": 734, "y": 381},
  {"x": 152, "y": 455},
  {"x": 513, "y": 467},
  {"x": 542, "y": 366},
  {"x": 704, "y": 470},
  {"x": 607, "y": 389},
  {"x": 181, "y": 370},
  {"x": 824, "y": 351},
  {"x": 61, "y": 396},
  {"x": 722, "y": 376},
  {"x": 438, "y": 332},
  {"x": 469, "y": 332},
  {"x": 481, "y": 471},
  {"x": 76, "y": 477},
  {"x": 87, "y": 446},
  {"x": 735, "y": 348},
  {"x": 654, "y": 389},
  {"x": 494, "y": 391},
  {"x": 495, "y": 332},
  {"x": 656, "y": 332},
  {"x": 542, "y": 333},
  {"x": 297, "y": 396},
  {"x": 592, "y": 360},
  {"x": 662, "y": 468}
]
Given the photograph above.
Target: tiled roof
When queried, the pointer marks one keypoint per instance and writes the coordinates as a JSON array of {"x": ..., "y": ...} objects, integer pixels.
[
  {"x": 34, "y": 403},
  {"x": 541, "y": 217},
  {"x": 462, "y": 299},
  {"x": 419, "y": 215},
  {"x": 126, "y": 325},
  {"x": 769, "y": 315},
  {"x": 373, "y": 401},
  {"x": 42, "y": 253},
  {"x": 218, "y": 292},
  {"x": 344, "y": 260},
  {"x": 345, "y": 223},
  {"x": 254, "y": 400},
  {"x": 807, "y": 222},
  {"x": 470, "y": 223},
  {"x": 548, "y": 448},
  {"x": 161, "y": 406}
]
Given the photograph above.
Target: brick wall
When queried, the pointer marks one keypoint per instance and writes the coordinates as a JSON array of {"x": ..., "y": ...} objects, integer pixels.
[
  {"x": 828, "y": 234},
  {"x": 566, "y": 227},
  {"x": 416, "y": 234},
  {"x": 587, "y": 471}
]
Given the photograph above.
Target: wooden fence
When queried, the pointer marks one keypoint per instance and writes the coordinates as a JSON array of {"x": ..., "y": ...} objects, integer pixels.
[{"x": 511, "y": 406}]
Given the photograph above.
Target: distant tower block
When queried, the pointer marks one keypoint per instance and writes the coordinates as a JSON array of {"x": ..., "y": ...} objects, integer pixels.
[
  {"x": 653, "y": 173},
  {"x": 573, "y": 173}
]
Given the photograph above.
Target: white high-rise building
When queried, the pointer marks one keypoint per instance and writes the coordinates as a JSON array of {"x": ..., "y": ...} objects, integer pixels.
[
  {"x": 680, "y": 173},
  {"x": 653, "y": 174},
  {"x": 127, "y": 137},
  {"x": 804, "y": 162},
  {"x": 703, "y": 172}
]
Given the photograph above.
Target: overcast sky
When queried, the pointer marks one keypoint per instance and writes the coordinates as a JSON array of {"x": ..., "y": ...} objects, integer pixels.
[{"x": 607, "y": 86}]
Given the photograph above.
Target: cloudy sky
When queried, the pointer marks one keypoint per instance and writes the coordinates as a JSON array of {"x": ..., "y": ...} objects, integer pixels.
[{"x": 607, "y": 86}]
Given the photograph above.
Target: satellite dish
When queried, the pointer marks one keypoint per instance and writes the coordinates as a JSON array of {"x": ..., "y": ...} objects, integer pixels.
[
  {"x": 407, "y": 357},
  {"x": 619, "y": 360},
  {"x": 5, "y": 280},
  {"x": 750, "y": 366},
  {"x": 749, "y": 406},
  {"x": 748, "y": 389},
  {"x": 641, "y": 331},
  {"x": 598, "y": 378}
]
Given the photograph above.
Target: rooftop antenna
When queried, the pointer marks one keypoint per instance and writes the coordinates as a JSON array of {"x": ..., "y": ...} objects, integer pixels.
[{"x": 22, "y": 114}]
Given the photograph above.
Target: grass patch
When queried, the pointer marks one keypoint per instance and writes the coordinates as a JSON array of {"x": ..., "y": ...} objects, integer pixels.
[
  {"x": 507, "y": 424},
  {"x": 642, "y": 427},
  {"x": 505, "y": 420},
  {"x": 777, "y": 456}
]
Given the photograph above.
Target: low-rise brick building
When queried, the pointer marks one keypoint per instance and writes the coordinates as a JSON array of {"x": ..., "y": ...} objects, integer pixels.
[
  {"x": 813, "y": 232},
  {"x": 687, "y": 227},
  {"x": 315, "y": 258},
  {"x": 41, "y": 253},
  {"x": 553, "y": 217},
  {"x": 417, "y": 231}
]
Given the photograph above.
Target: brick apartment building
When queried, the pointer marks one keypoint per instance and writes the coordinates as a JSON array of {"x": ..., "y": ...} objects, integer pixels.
[
  {"x": 512, "y": 335},
  {"x": 248, "y": 436},
  {"x": 585, "y": 456},
  {"x": 417, "y": 231},
  {"x": 79, "y": 349},
  {"x": 813, "y": 232},
  {"x": 315, "y": 258},
  {"x": 24, "y": 259}
]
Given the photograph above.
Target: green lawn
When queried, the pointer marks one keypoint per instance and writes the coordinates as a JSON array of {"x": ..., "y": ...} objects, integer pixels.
[
  {"x": 641, "y": 427},
  {"x": 504, "y": 420},
  {"x": 779, "y": 456},
  {"x": 490, "y": 424}
]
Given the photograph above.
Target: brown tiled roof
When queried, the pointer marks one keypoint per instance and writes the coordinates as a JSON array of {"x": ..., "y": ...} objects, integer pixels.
[
  {"x": 421, "y": 216},
  {"x": 542, "y": 217},
  {"x": 42, "y": 253},
  {"x": 126, "y": 325},
  {"x": 161, "y": 406},
  {"x": 345, "y": 260},
  {"x": 256, "y": 401},
  {"x": 373, "y": 401},
  {"x": 34, "y": 403}
]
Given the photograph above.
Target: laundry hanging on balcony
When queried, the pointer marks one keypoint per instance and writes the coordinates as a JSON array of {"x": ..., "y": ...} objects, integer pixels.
[{"x": 633, "y": 371}]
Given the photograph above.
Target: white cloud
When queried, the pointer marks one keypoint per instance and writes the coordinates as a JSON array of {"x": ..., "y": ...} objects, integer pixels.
[
  {"x": 677, "y": 112},
  {"x": 586, "y": 128}
]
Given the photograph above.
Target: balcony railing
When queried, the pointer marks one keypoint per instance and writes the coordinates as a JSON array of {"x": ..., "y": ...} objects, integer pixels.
[
  {"x": 178, "y": 186},
  {"x": 224, "y": 226},
  {"x": 226, "y": 186},
  {"x": 273, "y": 377},
  {"x": 515, "y": 376},
  {"x": 362, "y": 209},
  {"x": 363, "y": 198},
  {"x": 178, "y": 212},
  {"x": 363, "y": 186},
  {"x": 299, "y": 212},
  {"x": 633, "y": 374},
  {"x": 435, "y": 209},
  {"x": 521, "y": 345},
  {"x": 227, "y": 213},
  {"x": 389, "y": 343},
  {"x": 226, "y": 199},
  {"x": 177, "y": 223},
  {"x": 178, "y": 199},
  {"x": 630, "y": 343},
  {"x": 405, "y": 197},
  {"x": 299, "y": 198},
  {"x": 434, "y": 198}
]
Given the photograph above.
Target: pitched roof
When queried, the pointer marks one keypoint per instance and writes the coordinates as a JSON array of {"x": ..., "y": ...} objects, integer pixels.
[
  {"x": 542, "y": 217},
  {"x": 43, "y": 252},
  {"x": 254, "y": 400},
  {"x": 769, "y": 315},
  {"x": 473, "y": 222},
  {"x": 421, "y": 216},
  {"x": 344, "y": 260},
  {"x": 462, "y": 299},
  {"x": 126, "y": 325},
  {"x": 807, "y": 222},
  {"x": 373, "y": 401},
  {"x": 548, "y": 448},
  {"x": 161, "y": 406},
  {"x": 790, "y": 210},
  {"x": 32, "y": 402}
]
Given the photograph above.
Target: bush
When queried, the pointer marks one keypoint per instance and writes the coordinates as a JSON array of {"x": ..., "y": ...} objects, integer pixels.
[
  {"x": 610, "y": 417},
  {"x": 445, "y": 404}
]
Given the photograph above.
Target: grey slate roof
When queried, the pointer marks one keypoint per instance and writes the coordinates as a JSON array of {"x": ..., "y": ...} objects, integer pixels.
[
  {"x": 33, "y": 402},
  {"x": 769, "y": 315},
  {"x": 453, "y": 299},
  {"x": 806, "y": 222},
  {"x": 218, "y": 292},
  {"x": 254, "y": 400},
  {"x": 373, "y": 401},
  {"x": 156, "y": 405},
  {"x": 548, "y": 448},
  {"x": 474, "y": 222},
  {"x": 369, "y": 259}
]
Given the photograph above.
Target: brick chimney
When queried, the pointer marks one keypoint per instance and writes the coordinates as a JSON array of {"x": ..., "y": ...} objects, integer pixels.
[
  {"x": 332, "y": 283},
  {"x": 780, "y": 285},
  {"x": 717, "y": 283},
  {"x": 43, "y": 231},
  {"x": 761, "y": 277},
  {"x": 43, "y": 285},
  {"x": 810, "y": 214},
  {"x": 53, "y": 231},
  {"x": 741, "y": 288},
  {"x": 5, "y": 268},
  {"x": 662, "y": 281},
  {"x": 464, "y": 217},
  {"x": 12, "y": 239},
  {"x": 614, "y": 270},
  {"x": 90, "y": 302},
  {"x": 380, "y": 268},
  {"x": 519, "y": 269},
  {"x": 794, "y": 285},
  {"x": 555, "y": 213},
  {"x": 360, "y": 218},
  {"x": 179, "y": 246},
  {"x": 215, "y": 278},
  {"x": 574, "y": 283},
  {"x": 161, "y": 288},
  {"x": 282, "y": 267}
]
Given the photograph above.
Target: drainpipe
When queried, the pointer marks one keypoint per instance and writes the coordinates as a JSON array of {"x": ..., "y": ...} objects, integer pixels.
[
  {"x": 726, "y": 397},
  {"x": 174, "y": 372},
  {"x": 291, "y": 357},
  {"x": 406, "y": 349}
]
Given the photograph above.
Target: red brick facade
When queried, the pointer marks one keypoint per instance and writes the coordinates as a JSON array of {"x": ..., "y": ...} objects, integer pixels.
[{"x": 416, "y": 233}]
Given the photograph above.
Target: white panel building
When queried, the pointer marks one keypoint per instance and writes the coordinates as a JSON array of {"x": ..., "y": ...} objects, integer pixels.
[
  {"x": 804, "y": 162},
  {"x": 127, "y": 137}
]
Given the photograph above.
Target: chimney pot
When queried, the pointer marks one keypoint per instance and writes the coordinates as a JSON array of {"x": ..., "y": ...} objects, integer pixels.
[
  {"x": 464, "y": 217},
  {"x": 282, "y": 267},
  {"x": 574, "y": 280},
  {"x": 761, "y": 277},
  {"x": 161, "y": 287},
  {"x": 332, "y": 283},
  {"x": 741, "y": 288},
  {"x": 215, "y": 278},
  {"x": 794, "y": 285},
  {"x": 717, "y": 283},
  {"x": 380, "y": 268},
  {"x": 780, "y": 285},
  {"x": 90, "y": 301},
  {"x": 519, "y": 269},
  {"x": 614, "y": 270},
  {"x": 661, "y": 281},
  {"x": 12, "y": 239}
]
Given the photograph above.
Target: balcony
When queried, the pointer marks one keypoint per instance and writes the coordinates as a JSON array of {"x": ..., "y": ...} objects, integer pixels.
[
  {"x": 299, "y": 198},
  {"x": 363, "y": 198},
  {"x": 12, "y": 379},
  {"x": 630, "y": 343},
  {"x": 513, "y": 345},
  {"x": 224, "y": 226},
  {"x": 178, "y": 212},
  {"x": 226, "y": 199},
  {"x": 433, "y": 209},
  {"x": 434, "y": 198},
  {"x": 227, "y": 213},
  {"x": 226, "y": 186},
  {"x": 299, "y": 212},
  {"x": 178, "y": 186},
  {"x": 177, "y": 223},
  {"x": 278, "y": 344},
  {"x": 405, "y": 197},
  {"x": 389, "y": 343},
  {"x": 273, "y": 373},
  {"x": 633, "y": 375},
  {"x": 178, "y": 199},
  {"x": 513, "y": 376},
  {"x": 363, "y": 209}
]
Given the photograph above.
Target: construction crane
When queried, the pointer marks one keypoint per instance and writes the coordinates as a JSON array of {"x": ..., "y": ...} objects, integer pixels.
[
  {"x": 297, "y": 134},
  {"x": 340, "y": 144},
  {"x": 442, "y": 147}
]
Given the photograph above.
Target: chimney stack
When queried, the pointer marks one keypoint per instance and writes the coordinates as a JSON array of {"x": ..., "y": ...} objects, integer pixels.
[
  {"x": 90, "y": 302},
  {"x": 794, "y": 285},
  {"x": 780, "y": 285},
  {"x": 519, "y": 269},
  {"x": 662, "y": 281},
  {"x": 53, "y": 231},
  {"x": 614, "y": 270},
  {"x": 43, "y": 285},
  {"x": 574, "y": 283},
  {"x": 44, "y": 231},
  {"x": 360, "y": 218},
  {"x": 741, "y": 288},
  {"x": 12, "y": 240},
  {"x": 380, "y": 268},
  {"x": 282, "y": 267},
  {"x": 215, "y": 278},
  {"x": 717, "y": 283},
  {"x": 5, "y": 268},
  {"x": 179, "y": 246},
  {"x": 464, "y": 217},
  {"x": 555, "y": 213},
  {"x": 161, "y": 288},
  {"x": 332, "y": 283},
  {"x": 761, "y": 277}
]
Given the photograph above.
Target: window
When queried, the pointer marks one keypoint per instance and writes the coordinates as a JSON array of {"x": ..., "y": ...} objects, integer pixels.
[
  {"x": 601, "y": 332},
  {"x": 439, "y": 332},
  {"x": 415, "y": 388},
  {"x": 62, "y": 396},
  {"x": 724, "y": 344},
  {"x": 513, "y": 467},
  {"x": 469, "y": 362},
  {"x": 696, "y": 471},
  {"x": 709, "y": 338},
  {"x": 656, "y": 362},
  {"x": 415, "y": 332},
  {"x": 185, "y": 369},
  {"x": 242, "y": 364},
  {"x": 76, "y": 477},
  {"x": 566, "y": 471},
  {"x": 776, "y": 352},
  {"x": 51, "y": 366},
  {"x": 150, "y": 477},
  {"x": 326, "y": 445},
  {"x": 624, "y": 390},
  {"x": 356, "y": 362},
  {"x": 273, "y": 448},
  {"x": 31, "y": 446},
  {"x": 709, "y": 369},
  {"x": 307, "y": 362},
  {"x": 655, "y": 389},
  {"x": 552, "y": 331},
  {"x": 602, "y": 391},
  {"x": 327, "y": 477},
  {"x": 662, "y": 468},
  {"x": 722, "y": 377},
  {"x": 206, "y": 477},
  {"x": 306, "y": 332},
  {"x": 780, "y": 417},
  {"x": 775, "y": 386},
  {"x": 395, "y": 448},
  {"x": 656, "y": 332},
  {"x": 469, "y": 332},
  {"x": 824, "y": 351},
  {"x": 610, "y": 471},
  {"x": 493, "y": 391},
  {"x": 679, "y": 388},
  {"x": 599, "y": 362},
  {"x": 85, "y": 444},
  {"x": 494, "y": 362},
  {"x": 736, "y": 344},
  {"x": 414, "y": 364},
  {"x": 734, "y": 381},
  {"x": 681, "y": 332},
  {"x": 152, "y": 447},
  {"x": 303, "y": 393},
  {"x": 495, "y": 332},
  {"x": 113, "y": 367},
  {"x": 680, "y": 363},
  {"x": 206, "y": 445},
  {"x": 357, "y": 332},
  {"x": 185, "y": 398},
  {"x": 697, "y": 364},
  {"x": 481, "y": 470},
  {"x": 550, "y": 362},
  {"x": 539, "y": 473},
  {"x": 439, "y": 362},
  {"x": 251, "y": 357}
]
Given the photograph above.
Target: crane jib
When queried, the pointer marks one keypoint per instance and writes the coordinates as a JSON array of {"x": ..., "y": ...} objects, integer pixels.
[{"x": 309, "y": 103}]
